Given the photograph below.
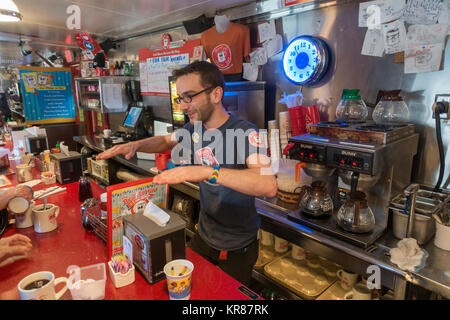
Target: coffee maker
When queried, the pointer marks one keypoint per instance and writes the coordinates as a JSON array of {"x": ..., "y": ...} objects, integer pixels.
[{"x": 353, "y": 159}]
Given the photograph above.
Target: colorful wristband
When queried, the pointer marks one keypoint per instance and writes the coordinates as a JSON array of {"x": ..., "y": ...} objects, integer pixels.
[{"x": 215, "y": 174}]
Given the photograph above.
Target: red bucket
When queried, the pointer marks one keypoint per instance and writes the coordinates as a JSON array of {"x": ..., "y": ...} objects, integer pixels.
[
  {"x": 297, "y": 120},
  {"x": 162, "y": 158}
]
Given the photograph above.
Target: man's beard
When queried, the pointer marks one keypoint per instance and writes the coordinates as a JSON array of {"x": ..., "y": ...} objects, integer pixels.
[{"x": 204, "y": 112}]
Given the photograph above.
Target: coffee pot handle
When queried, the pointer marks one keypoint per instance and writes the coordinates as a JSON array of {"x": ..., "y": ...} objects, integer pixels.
[
  {"x": 297, "y": 170},
  {"x": 354, "y": 182}
]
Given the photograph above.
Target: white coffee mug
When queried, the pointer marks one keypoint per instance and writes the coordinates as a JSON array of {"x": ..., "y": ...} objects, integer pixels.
[
  {"x": 266, "y": 238},
  {"x": 359, "y": 292},
  {"x": 46, "y": 291},
  {"x": 107, "y": 133},
  {"x": 281, "y": 245},
  {"x": 298, "y": 253},
  {"x": 24, "y": 172},
  {"x": 45, "y": 220},
  {"x": 22, "y": 210},
  {"x": 348, "y": 279}
]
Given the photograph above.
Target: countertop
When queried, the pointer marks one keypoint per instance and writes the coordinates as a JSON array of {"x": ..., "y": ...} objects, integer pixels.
[
  {"x": 435, "y": 276},
  {"x": 70, "y": 244}
]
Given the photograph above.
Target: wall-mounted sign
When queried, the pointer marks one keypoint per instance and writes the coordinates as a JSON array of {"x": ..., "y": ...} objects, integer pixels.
[
  {"x": 165, "y": 40},
  {"x": 155, "y": 66},
  {"x": 47, "y": 95},
  {"x": 294, "y": 2},
  {"x": 88, "y": 45}
]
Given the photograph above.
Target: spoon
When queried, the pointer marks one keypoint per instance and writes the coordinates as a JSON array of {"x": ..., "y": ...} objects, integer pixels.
[
  {"x": 437, "y": 218},
  {"x": 45, "y": 202}
]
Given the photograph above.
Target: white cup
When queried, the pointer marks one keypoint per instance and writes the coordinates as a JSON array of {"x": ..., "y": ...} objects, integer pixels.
[
  {"x": 359, "y": 292},
  {"x": 45, "y": 220},
  {"x": 266, "y": 238},
  {"x": 107, "y": 133},
  {"x": 46, "y": 292},
  {"x": 281, "y": 245},
  {"x": 442, "y": 238},
  {"x": 348, "y": 279},
  {"x": 22, "y": 210},
  {"x": 298, "y": 253},
  {"x": 24, "y": 172}
]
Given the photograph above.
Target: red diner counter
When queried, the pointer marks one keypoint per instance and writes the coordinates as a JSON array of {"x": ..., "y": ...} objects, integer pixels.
[{"x": 71, "y": 244}]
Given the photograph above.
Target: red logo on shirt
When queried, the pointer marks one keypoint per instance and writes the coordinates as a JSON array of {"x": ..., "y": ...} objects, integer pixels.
[
  {"x": 221, "y": 56},
  {"x": 206, "y": 157},
  {"x": 255, "y": 139}
]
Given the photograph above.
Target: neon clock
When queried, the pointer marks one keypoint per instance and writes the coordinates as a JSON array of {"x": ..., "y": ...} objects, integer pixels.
[{"x": 306, "y": 60}]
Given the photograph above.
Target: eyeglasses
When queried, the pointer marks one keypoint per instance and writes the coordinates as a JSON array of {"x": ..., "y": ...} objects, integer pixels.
[{"x": 188, "y": 98}]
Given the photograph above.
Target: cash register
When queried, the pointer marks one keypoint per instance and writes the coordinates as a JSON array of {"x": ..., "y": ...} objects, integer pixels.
[{"x": 133, "y": 127}]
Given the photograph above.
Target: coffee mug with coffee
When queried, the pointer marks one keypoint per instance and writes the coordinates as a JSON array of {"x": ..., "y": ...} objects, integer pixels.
[
  {"x": 22, "y": 210},
  {"x": 45, "y": 218},
  {"x": 41, "y": 286},
  {"x": 348, "y": 279},
  {"x": 359, "y": 292}
]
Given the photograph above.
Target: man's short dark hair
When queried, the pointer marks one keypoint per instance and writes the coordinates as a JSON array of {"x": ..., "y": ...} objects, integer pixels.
[{"x": 210, "y": 75}]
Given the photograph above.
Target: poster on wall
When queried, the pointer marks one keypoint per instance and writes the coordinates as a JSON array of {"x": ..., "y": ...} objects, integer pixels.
[
  {"x": 155, "y": 67},
  {"x": 130, "y": 198},
  {"x": 47, "y": 95}
]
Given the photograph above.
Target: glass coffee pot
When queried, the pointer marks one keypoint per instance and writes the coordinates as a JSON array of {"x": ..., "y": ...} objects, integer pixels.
[
  {"x": 351, "y": 108},
  {"x": 316, "y": 202},
  {"x": 391, "y": 109},
  {"x": 355, "y": 214}
]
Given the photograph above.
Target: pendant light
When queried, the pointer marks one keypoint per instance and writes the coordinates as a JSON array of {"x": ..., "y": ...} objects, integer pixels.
[{"x": 9, "y": 11}]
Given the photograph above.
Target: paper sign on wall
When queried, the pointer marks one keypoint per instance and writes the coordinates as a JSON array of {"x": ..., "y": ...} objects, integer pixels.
[
  {"x": 373, "y": 43},
  {"x": 423, "y": 59},
  {"x": 422, "y": 11},
  {"x": 259, "y": 56},
  {"x": 379, "y": 11},
  {"x": 266, "y": 31},
  {"x": 394, "y": 35},
  {"x": 273, "y": 46},
  {"x": 250, "y": 71}
]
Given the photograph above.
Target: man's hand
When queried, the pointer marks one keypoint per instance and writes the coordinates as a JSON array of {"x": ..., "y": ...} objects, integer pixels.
[
  {"x": 23, "y": 191},
  {"x": 126, "y": 149},
  {"x": 15, "y": 245},
  {"x": 185, "y": 173}
]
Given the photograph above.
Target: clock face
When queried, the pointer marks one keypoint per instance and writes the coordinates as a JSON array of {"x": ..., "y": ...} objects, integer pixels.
[{"x": 305, "y": 60}]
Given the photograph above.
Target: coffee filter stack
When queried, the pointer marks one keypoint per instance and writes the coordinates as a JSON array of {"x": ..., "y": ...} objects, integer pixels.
[
  {"x": 285, "y": 129},
  {"x": 274, "y": 140}
]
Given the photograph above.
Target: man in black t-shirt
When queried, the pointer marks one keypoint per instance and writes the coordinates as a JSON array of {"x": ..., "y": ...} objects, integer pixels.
[{"x": 227, "y": 157}]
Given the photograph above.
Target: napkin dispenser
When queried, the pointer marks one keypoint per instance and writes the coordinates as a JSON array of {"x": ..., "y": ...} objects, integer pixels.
[
  {"x": 68, "y": 168},
  {"x": 36, "y": 144},
  {"x": 154, "y": 245}
]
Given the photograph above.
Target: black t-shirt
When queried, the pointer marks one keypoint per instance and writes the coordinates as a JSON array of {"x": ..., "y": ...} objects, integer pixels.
[{"x": 228, "y": 219}]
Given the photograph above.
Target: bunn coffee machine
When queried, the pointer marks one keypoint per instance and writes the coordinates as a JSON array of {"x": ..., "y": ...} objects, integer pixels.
[{"x": 355, "y": 159}]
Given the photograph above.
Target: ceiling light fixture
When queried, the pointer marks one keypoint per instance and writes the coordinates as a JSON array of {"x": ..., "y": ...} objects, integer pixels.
[{"x": 9, "y": 11}]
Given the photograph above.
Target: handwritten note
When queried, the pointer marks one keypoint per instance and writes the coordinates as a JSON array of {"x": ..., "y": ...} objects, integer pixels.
[
  {"x": 259, "y": 56},
  {"x": 373, "y": 43},
  {"x": 423, "y": 58},
  {"x": 444, "y": 15},
  {"x": 112, "y": 95},
  {"x": 373, "y": 13},
  {"x": 419, "y": 35},
  {"x": 250, "y": 71},
  {"x": 422, "y": 11},
  {"x": 274, "y": 45},
  {"x": 394, "y": 35},
  {"x": 266, "y": 31}
]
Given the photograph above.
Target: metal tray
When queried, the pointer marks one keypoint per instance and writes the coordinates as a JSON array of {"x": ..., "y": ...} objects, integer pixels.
[
  {"x": 424, "y": 205},
  {"x": 306, "y": 278},
  {"x": 266, "y": 254}
]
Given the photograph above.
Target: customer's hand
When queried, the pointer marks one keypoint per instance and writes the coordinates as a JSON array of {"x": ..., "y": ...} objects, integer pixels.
[
  {"x": 127, "y": 149},
  {"x": 23, "y": 191},
  {"x": 13, "y": 246}
]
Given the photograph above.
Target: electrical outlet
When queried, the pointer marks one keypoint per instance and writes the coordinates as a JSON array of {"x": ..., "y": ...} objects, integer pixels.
[{"x": 445, "y": 98}]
